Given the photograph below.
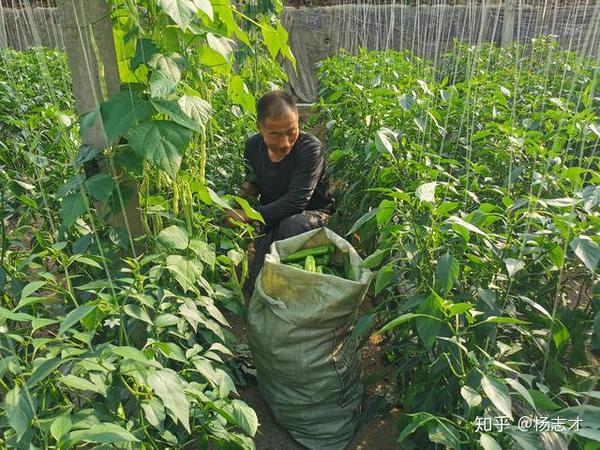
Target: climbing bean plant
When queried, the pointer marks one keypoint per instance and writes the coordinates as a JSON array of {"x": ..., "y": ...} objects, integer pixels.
[{"x": 112, "y": 340}]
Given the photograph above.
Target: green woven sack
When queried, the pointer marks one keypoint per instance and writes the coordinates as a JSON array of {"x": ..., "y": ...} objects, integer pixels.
[{"x": 308, "y": 369}]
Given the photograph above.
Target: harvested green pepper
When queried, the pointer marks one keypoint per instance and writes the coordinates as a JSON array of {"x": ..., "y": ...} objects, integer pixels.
[
  {"x": 319, "y": 269},
  {"x": 323, "y": 260},
  {"x": 314, "y": 251},
  {"x": 348, "y": 269},
  {"x": 310, "y": 264}
]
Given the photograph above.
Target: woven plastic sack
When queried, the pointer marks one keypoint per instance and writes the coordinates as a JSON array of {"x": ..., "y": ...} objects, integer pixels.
[{"x": 308, "y": 370}]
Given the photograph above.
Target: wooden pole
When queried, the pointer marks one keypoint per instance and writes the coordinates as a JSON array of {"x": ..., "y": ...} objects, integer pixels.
[
  {"x": 87, "y": 33},
  {"x": 508, "y": 22}
]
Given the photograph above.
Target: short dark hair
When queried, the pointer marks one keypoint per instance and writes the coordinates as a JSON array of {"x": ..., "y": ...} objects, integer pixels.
[{"x": 274, "y": 104}]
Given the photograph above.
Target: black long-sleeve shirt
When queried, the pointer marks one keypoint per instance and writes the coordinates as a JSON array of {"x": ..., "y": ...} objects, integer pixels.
[{"x": 296, "y": 183}]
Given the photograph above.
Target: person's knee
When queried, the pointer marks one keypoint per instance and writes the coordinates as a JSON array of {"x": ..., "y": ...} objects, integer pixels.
[{"x": 292, "y": 226}]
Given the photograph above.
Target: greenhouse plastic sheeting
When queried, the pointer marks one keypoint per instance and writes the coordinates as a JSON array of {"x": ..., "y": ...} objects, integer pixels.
[
  {"x": 316, "y": 33},
  {"x": 308, "y": 369}
]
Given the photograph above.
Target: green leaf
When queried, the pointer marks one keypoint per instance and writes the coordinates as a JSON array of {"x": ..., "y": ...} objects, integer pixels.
[
  {"x": 513, "y": 266},
  {"x": 402, "y": 319},
  {"x": 226, "y": 384},
  {"x": 250, "y": 212},
  {"x": 498, "y": 394},
  {"x": 219, "y": 44},
  {"x": 19, "y": 411},
  {"x": 172, "y": 109},
  {"x": 271, "y": 38},
  {"x": 459, "y": 308},
  {"x": 137, "y": 312},
  {"x": 382, "y": 141},
  {"x": 214, "y": 60},
  {"x": 417, "y": 421},
  {"x": 525, "y": 440},
  {"x": 168, "y": 387},
  {"x": 240, "y": 95},
  {"x": 43, "y": 370},
  {"x": 494, "y": 319},
  {"x": 75, "y": 316},
  {"x": 121, "y": 111},
  {"x": 100, "y": 186},
  {"x": 471, "y": 396},
  {"x": 186, "y": 270},
  {"x": 87, "y": 260},
  {"x": 36, "y": 324},
  {"x": 446, "y": 272},
  {"x": 206, "y": 252},
  {"x": 426, "y": 192},
  {"x": 461, "y": 223},
  {"x": 444, "y": 433},
  {"x": 245, "y": 417},
  {"x": 166, "y": 320},
  {"x": 181, "y": 11},
  {"x": 30, "y": 288},
  {"x": 190, "y": 312},
  {"x": 235, "y": 256},
  {"x": 174, "y": 237},
  {"x": 102, "y": 433},
  {"x": 385, "y": 276},
  {"x": 362, "y": 220},
  {"x": 163, "y": 143},
  {"x": 73, "y": 206},
  {"x": 154, "y": 411},
  {"x": 206, "y": 7},
  {"x": 375, "y": 259},
  {"x": 60, "y": 427},
  {"x": 591, "y": 197},
  {"x": 165, "y": 76},
  {"x": 133, "y": 354},
  {"x": 560, "y": 334},
  {"x": 521, "y": 390},
  {"x": 363, "y": 325},
  {"x": 161, "y": 84},
  {"x": 145, "y": 49},
  {"x": 542, "y": 401},
  {"x": 82, "y": 383},
  {"x": 195, "y": 108},
  {"x": 427, "y": 328},
  {"x": 17, "y": 317},
  {"x": 218, "y": 347},
  {"x": 587, "y": 251},
  {"x": 425, "y": 88},
  {"x": 589, "y": 415},
  {"x": 488, "y": 442},
  {"x": 284, "y": 47},
  {"x": 406, "y": 101}
]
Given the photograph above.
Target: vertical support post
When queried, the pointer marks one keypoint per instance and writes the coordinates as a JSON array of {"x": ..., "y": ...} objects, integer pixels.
[
  {"x": 508, "y": 23},
  {"x": 87, "y": 33},
  {"x": 3, "y": 37}
]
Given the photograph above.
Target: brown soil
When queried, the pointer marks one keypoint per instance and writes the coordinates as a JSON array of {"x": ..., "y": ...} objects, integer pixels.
[{"x": 379, "y": 433}]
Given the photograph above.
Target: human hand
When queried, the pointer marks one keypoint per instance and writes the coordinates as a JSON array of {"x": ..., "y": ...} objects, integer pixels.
[
  {"x": 234, "y": 216},
  {"x": 248, "y": 190}
]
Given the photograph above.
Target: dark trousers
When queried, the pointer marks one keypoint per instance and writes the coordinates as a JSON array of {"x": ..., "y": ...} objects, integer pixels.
[{"x": 288, "y": 227}]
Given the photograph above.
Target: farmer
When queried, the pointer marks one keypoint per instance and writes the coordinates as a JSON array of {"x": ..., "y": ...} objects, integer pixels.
[{"x": 285, "y": 169}]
